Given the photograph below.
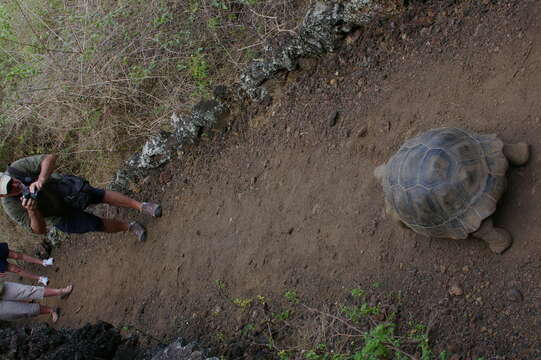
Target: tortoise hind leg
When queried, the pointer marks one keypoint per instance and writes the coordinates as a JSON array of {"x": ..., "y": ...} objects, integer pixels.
[
  {"x": 517, "y": 154},
  {"x": 497, "y": 239}
]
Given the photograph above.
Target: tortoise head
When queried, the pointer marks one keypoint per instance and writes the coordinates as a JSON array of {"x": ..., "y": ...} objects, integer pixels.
[{"x": 379, "y": 172}]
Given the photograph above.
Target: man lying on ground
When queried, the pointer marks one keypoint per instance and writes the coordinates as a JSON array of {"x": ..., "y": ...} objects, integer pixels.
[{"x": 36, "y": 197}]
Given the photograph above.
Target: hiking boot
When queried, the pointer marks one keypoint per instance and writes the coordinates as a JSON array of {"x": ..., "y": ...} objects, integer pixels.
[
  {"x": 138, "y": 230},
  {"x": 151, "y": 209}
]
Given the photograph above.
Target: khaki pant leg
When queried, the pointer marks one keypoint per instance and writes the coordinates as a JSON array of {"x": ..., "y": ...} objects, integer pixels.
[
  {"x": 13, "y": 310},
  {"x": 20, "y": 292}
]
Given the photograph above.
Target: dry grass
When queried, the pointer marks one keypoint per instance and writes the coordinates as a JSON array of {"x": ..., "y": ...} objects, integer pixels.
[{"x": 92, "y": 79}]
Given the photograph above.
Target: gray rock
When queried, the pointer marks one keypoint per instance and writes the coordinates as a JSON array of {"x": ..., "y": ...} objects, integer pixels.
[
  {"x": 177, "y": 351},
  {"x": 323, "y": 27},
  {"x": 205, "y": 114},
  {"x": 161, "y": 148},
  {"x": 56, "y": 237},
  {"x": 154, "y": 153}
]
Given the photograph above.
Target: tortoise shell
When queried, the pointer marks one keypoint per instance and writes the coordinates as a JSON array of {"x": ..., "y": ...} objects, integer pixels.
[{"x": 445, "y": 182}]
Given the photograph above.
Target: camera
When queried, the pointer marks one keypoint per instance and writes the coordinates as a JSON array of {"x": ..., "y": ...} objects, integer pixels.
[{"x": 27, "y": 194}]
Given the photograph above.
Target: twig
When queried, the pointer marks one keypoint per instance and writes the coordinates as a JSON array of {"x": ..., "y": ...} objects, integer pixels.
[
  {"x": 263, "y": 16},
  {"x": 400, "y": 351},
  {"x": 333, "y": 317},
  {"x": 38, "y": 47},
  {"x": 524, "y": 59}
]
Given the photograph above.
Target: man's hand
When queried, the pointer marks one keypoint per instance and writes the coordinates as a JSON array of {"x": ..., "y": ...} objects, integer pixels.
[
  {"x": 29, "y": 204},
  {"x": 36, "y": 185},
  {"x": 3, "y": 274}
]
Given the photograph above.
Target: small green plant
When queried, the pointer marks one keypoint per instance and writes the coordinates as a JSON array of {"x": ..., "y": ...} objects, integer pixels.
[
  {"x": 213, "y": 23},
  {"x": 198, "y": 68},
  {"x": 220, "y": 336},
  {"x": 284, "y": 355},
  {"x": 376, "y": 342},
  {"x": 219, "y": 284},
  {"x": 291, "y": 296},
  {"x": 443, "y": 355},
  {"x": 282, "y": 316},
  {"x": 220, "y": 5},
  {"x": 248, "y": 328},
  {"x": 242, "y": 303},
  {"x": 357, "y": 293},
  {"x": 356, "y": 313}
]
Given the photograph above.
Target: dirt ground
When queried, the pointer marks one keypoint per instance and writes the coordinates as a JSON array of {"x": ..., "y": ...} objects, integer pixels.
[{"x": 287, "y": 199}]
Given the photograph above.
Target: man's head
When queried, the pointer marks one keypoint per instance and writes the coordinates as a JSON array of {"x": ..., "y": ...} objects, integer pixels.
[{"x": 9, "y": 186}]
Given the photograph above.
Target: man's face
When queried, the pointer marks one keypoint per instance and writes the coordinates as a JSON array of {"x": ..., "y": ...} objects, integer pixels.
[{"x": 15, "y": 188}]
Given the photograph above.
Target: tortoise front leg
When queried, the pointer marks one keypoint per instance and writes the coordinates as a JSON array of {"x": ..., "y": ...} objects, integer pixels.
[
  {"x": 379, "y": 172},
  {"x": 497, "y": 239},
  {"x": 517, "y": 154}
]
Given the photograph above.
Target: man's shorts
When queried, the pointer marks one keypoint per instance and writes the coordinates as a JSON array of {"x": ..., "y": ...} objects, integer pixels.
[
  {"x": 96, "y": 194},
  {"x": 4, "y": 253},
  {"x": 80, "y": 221}
]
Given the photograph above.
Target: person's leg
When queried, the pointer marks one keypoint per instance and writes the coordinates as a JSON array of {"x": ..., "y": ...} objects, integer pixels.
[
  {"x": 113, "y": 225},
  {"x": 21, "y": 272},
  {"x": 48, "y": 310},
  {"x": 26, "y": 258},
  {"x": 13, "y": 310},
  {"x": 57, "y": 292},
  {"x": 19, "y": 292},
  {"x": 117, "y": 199}
]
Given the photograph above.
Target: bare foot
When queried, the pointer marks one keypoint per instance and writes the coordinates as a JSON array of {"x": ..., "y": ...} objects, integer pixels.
[
  {"x": 55, "y": 315},
  {"x": 66, "y": 291}
]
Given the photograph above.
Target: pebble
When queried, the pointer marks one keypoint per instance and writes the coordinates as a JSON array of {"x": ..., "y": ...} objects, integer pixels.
[
  {"x": 514, "y": 295},
  {"x": 333, "y": 118},
  {"x": 456, "y": 290},
  {"x": 362, "y": 132}
]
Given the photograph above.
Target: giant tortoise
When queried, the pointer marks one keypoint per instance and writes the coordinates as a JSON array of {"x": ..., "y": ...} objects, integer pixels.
[{"x": 446, "y": 183}]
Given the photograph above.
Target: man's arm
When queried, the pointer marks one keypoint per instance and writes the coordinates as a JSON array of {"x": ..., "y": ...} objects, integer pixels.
[
  {"x": 37, "y": 222},
  {"x": 47, "y": 166}
]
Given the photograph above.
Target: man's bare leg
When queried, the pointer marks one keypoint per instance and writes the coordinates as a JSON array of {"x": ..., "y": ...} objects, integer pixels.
[
  {"x": 112, "y": 226},
  {"x": 117, "y": 199}
]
